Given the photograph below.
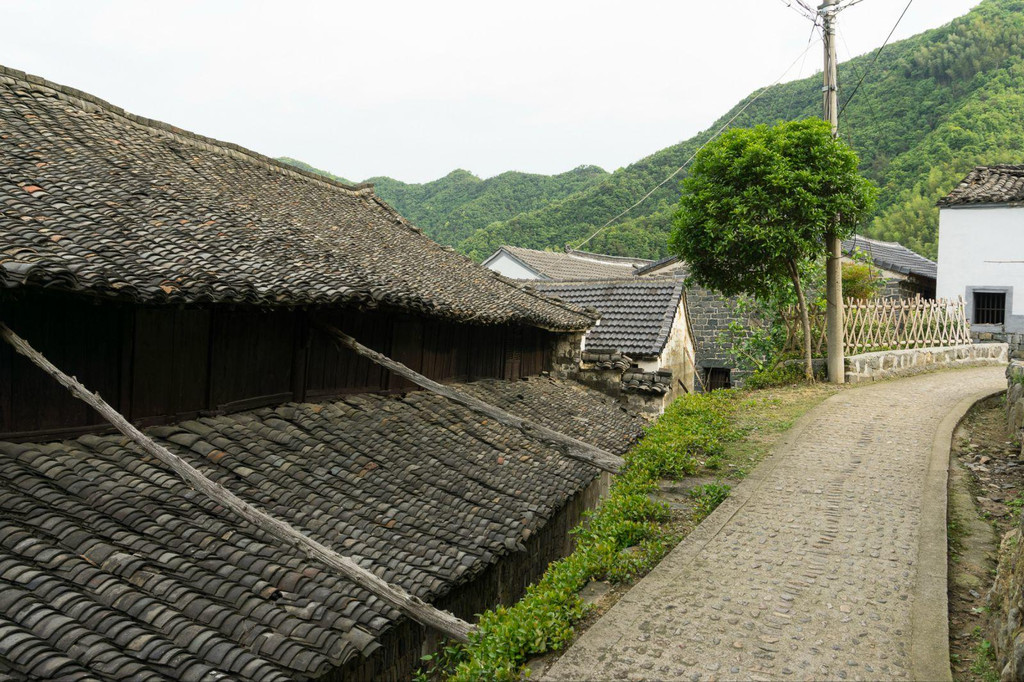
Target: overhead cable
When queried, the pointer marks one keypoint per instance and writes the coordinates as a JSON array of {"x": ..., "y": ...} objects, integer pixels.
[
  {"x": 875, "y": 60},
  {"x": 721, "y": 130}
]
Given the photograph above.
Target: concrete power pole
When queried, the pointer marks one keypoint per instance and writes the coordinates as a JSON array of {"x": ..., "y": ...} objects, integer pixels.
[{"x": 834, "y": 268}]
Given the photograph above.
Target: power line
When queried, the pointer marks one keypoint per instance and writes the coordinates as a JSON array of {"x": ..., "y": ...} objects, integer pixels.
[
  {"x": 677, "y": 171},
  {"x": 875, "y": 60},
  {"x": 806, "y": 12}
]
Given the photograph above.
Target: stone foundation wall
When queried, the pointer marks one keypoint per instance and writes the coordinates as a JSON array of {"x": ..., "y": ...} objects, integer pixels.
[
  {"x": 1006, "y": 600},
  {"x": 1015, "y": 399},
  {"x": 1014, "y": 340},
  {"x": 711, "y": 314},
  {"x": 609, "y": 373},
  {"x": 504, "y": 582},
  {"x": 894, "y": 363}
]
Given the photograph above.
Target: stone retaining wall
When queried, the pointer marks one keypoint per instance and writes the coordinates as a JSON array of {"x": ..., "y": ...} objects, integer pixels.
[
  {"x": 1015, "y": 399},
  {"x": 894, "y": 363},
  {"x": 1006, "y": 600},
  {"x": 1014, "y": 340}
]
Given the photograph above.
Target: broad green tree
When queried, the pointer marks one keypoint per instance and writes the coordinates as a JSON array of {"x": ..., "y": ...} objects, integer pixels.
[{"x": 759, "y": 202}]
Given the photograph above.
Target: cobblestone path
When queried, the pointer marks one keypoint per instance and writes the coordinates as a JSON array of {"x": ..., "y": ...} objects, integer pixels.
[{"x": 828, "y": 562}]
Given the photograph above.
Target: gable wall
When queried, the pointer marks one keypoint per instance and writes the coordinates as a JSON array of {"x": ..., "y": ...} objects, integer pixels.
[
  {"x": 976, "y": 251},
  {"x": 506, "y": 265}
]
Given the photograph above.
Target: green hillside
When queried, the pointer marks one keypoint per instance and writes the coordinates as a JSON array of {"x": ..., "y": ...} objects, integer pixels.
[
  {"x": 451, "y": 209},
  {"x": 933, "y": 107}
]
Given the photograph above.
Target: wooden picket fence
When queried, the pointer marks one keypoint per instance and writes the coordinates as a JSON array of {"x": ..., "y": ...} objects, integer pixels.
[{"x": 886, "y": 324}]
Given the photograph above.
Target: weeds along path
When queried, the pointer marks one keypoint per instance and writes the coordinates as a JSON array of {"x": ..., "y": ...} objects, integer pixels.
[{"x": 828, "y": 562}]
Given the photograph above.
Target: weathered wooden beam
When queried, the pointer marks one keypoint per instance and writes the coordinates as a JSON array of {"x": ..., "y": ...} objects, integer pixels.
[
  {"x": 573, "y": 448},
  {"x": 408, "y": 604}
]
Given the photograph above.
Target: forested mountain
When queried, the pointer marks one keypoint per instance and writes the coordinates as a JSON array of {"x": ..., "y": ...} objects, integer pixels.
[
  {"x": 451, "y": 209},
  {"x": 930, "y": 109}
]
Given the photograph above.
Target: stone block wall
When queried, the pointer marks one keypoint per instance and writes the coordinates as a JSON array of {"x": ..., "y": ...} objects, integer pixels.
[
  {"x": 895, "y": 363},
  {"x": 1006, "y": 600},
  {"x": 1015, "y": 341},
  {"x": 1015, "y": 399},
  {"x": 710, "y": 314}
]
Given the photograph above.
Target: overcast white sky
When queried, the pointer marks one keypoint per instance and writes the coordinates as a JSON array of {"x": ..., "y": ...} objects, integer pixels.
[{"x": 415, "y": 89}]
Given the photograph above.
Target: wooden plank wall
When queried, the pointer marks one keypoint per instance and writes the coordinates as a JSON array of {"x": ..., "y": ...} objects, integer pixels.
[{"x": 165, "y": 364}]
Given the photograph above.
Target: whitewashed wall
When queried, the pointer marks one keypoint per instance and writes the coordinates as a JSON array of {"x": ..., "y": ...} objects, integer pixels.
[
  {"x": 982, "y": 247},
  {"x": 504, "y": 264}
]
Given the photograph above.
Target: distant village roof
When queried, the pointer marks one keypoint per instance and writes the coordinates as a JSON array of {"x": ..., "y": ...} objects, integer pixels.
[
  {"x": 574, "y": 265},
  {"x": 892, "y": 256},
  {"x": 112, "y": 568},
  {"x": 1002, "y": 184},
  {"x": 636, "y": 315},
  {"x": 671, "y": 263},
  {"x": 98, "y": 201}
]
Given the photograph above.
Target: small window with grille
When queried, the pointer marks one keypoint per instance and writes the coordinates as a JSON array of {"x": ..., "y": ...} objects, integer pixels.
[
  {"x": 989, "y": 307},
  {"x": 717, "y": 377}
]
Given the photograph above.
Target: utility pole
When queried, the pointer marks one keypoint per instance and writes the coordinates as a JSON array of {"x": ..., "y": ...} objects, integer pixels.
[{"x": 834, "y": 267}]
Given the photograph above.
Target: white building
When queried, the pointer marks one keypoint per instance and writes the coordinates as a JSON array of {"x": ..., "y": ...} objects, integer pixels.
[
  {"x": 981, "y": 252},
  {"x": 644, "y": 343}
]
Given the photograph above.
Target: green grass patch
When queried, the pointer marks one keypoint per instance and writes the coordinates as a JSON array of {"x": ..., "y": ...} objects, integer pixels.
[
  {"x": 984, "y": 664},
  {"x": 624, "y": 537},
  {"x": 629, "y": 532},
  {"x": 708, "y": 497}
]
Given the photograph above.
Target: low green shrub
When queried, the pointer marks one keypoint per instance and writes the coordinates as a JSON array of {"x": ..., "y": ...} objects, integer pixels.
[
  {"x": 708, "y": 497},
  {"x": 785, "y": 374},
  {"x": 623, "y": 538}
]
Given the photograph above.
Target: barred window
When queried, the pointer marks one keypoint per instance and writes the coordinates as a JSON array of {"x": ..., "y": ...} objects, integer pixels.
[
  {"x": 717, "y": 377},
  {"x": 989, "y": 307}
]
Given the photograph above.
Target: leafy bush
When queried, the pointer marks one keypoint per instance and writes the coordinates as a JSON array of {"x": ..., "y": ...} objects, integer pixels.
[
  {"x": 779, "y": 375},
  {"x": 623, "y": 538},
  {"x": 708, "y": 497},
  {"x": 861, "y": 281}
]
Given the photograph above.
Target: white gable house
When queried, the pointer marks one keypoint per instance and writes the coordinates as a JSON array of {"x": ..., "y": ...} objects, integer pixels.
[{"x": 981, "y": 252}]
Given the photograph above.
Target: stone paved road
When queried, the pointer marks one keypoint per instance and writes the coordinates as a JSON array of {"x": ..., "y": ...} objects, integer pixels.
[{"x": 821, "y": 565}]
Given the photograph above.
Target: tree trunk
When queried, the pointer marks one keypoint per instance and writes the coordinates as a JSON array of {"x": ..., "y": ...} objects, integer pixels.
[
  {"x": 409, "y": 604},
  {"x": 794, "y": 273}
]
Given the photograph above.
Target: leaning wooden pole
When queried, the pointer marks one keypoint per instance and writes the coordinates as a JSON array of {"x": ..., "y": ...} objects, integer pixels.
[
  {"x": 411, "y": 606},
  {"x": 576, "y": 449}
]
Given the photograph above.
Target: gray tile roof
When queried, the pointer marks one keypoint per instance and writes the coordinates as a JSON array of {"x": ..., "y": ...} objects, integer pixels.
[
  {"x": 575, "y": 265},
  {"x": 1000, "y": 184},
  {"x": 111, "y": 568},
  {"x": 892, "y": 256},
  {"x": 636, "y": 315},
  {"x": 655, "y": 267},
  {"x": 99, "y": 201}
]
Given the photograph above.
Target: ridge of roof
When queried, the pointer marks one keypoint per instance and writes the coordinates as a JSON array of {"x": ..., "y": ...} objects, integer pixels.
[
  {"x": 574, "y": 253},
  {"x": 277, "y": 245},
  {"x": 657, "y": 264},
  {"x": 605, "y": 257},
  {"x": 596, "y": 283},
  {"x": 995, "y": 184},
  {"x": 892, "y": 256},
  {"x": 570, "y": 265},
  {"x": 88, "y": 101}
]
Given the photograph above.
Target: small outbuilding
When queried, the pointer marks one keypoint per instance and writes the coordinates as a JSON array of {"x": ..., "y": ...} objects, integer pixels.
[
  {"x": 906, "y": 274},
  {"x": 642, "y": 349},
  {"x": 643, "y": 343}
]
